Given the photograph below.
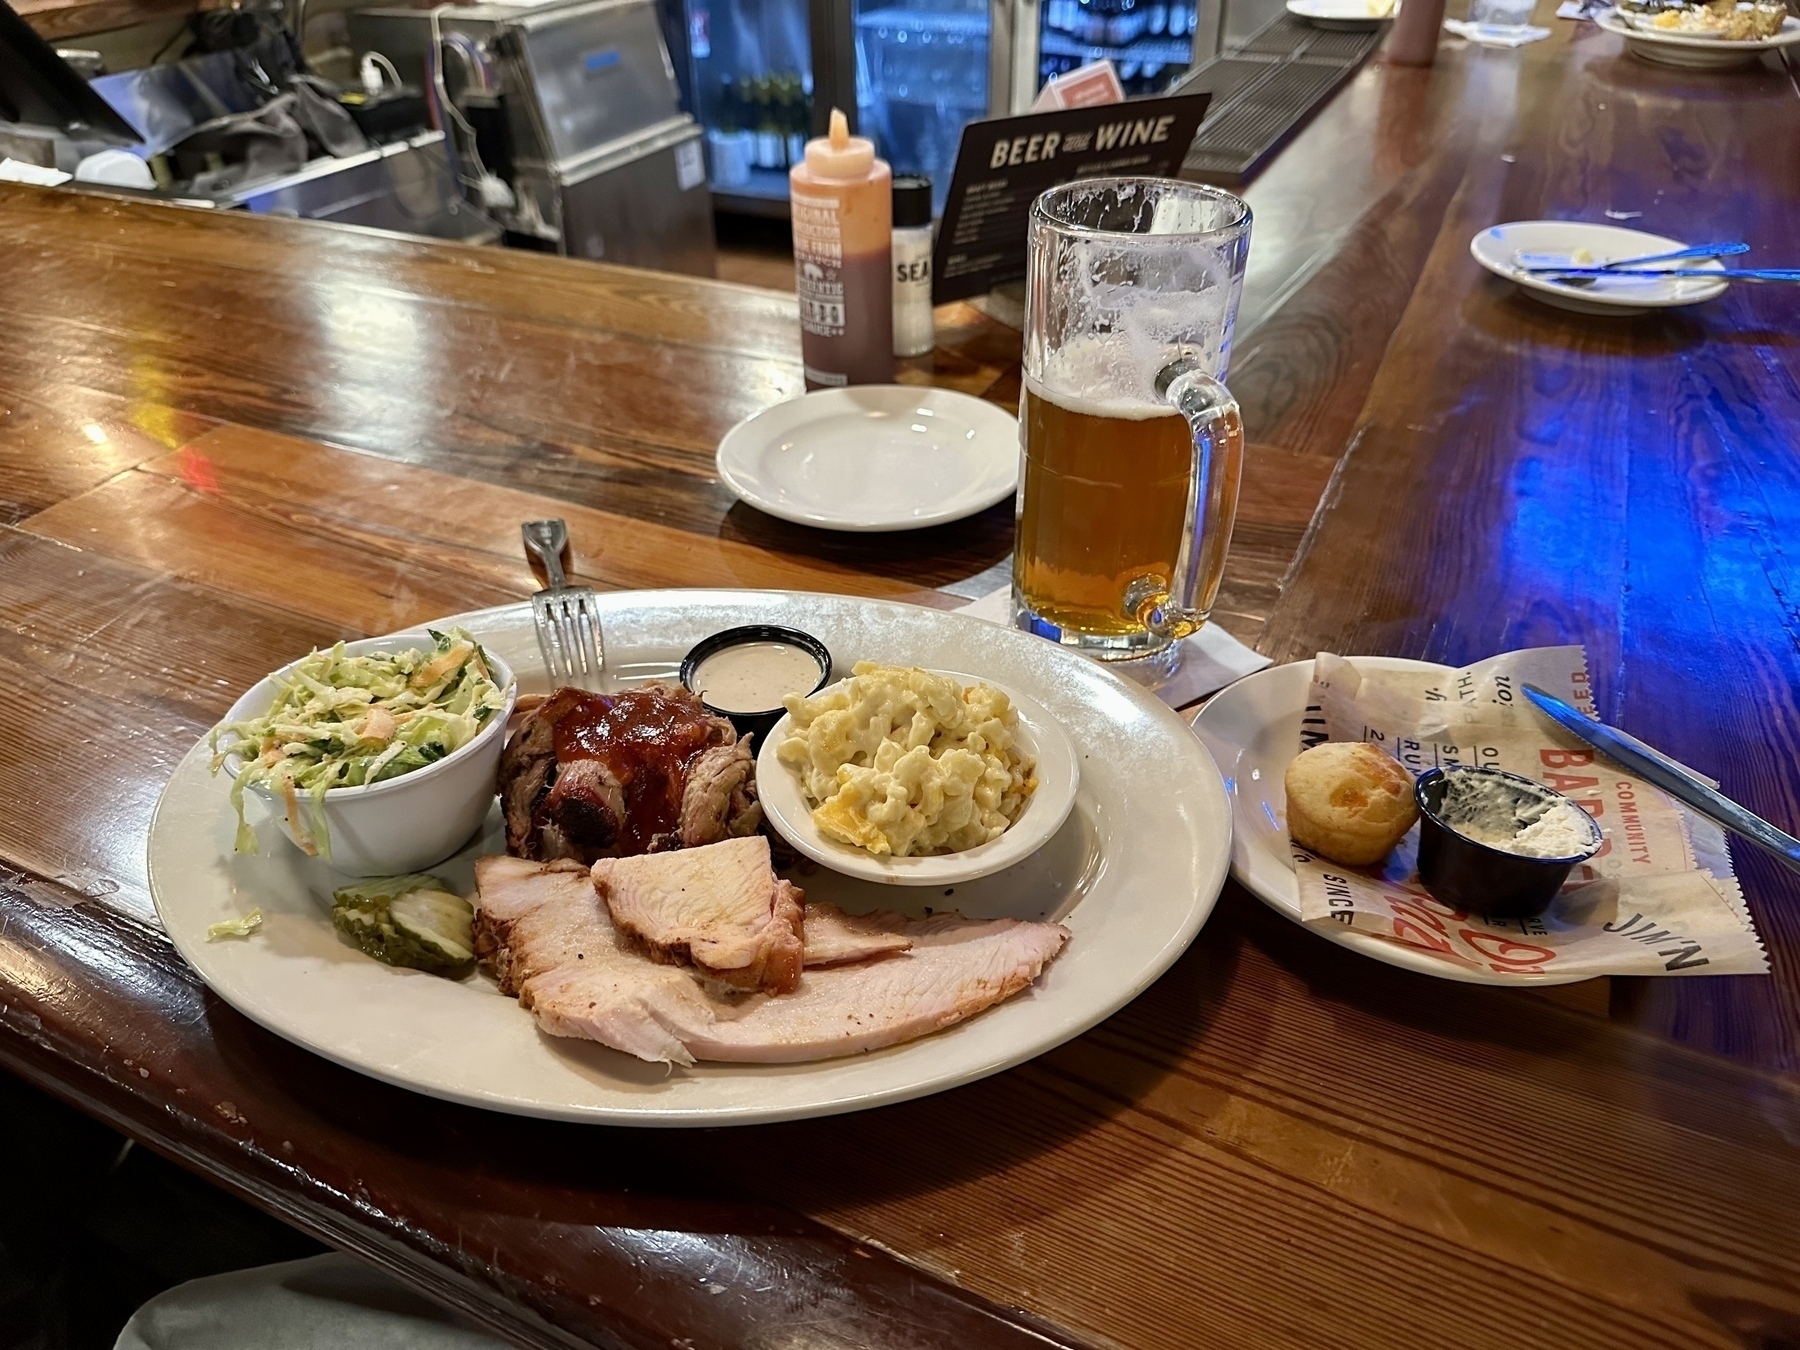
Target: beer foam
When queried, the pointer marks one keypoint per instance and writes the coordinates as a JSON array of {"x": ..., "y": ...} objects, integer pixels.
[{"x": 1104, "y": 375}]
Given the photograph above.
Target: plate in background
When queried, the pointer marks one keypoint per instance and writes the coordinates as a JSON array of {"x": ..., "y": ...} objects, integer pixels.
[
  {"x": 873, "y": 457},
  {"x": 1497, "y": 249},
  {"x": 1691, "y": 51},
  {"x": 1343, "y": 15}
]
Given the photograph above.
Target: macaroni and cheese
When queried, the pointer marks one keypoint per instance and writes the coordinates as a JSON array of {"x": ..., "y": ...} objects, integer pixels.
[{"x": 903, "y": 762}]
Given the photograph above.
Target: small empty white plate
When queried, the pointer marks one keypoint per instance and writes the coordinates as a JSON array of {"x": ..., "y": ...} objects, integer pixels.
[
  {"x": 873, "y": 457},
  {"x": 1354, "y": 15},
  {"x": 1058, "y": 775},
  {"x": 1498, "y": 249}
]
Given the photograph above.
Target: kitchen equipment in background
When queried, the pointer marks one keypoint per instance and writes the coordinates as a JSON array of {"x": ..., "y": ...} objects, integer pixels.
[
  {"x": 922, "y": 72},
  {"x": 45, "y": 104},
  {"x": 215, "y": 129},
  {"x": 1265, "y": 86},
  {"x": 1150, "y": 42},
  {"x": 572, "y": 110},
  {"x": 404, "y": 185},
  {"x": 915, "y": 71},
  {"x": 746, "y": 72}
]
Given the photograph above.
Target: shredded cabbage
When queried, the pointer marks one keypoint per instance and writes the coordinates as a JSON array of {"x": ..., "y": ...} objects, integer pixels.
[
  {"x": 235, "y": 928},
  {"x": 346, "y": 721}
]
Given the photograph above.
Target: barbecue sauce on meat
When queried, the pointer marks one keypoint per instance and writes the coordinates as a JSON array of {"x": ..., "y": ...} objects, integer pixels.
[{"x": 646, "y": 738}]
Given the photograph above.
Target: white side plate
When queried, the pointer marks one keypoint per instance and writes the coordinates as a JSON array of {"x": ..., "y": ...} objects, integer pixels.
[
  {"x": 873, "y": 457},
  {"x": 1253, "y": 730},
  {"x": 1133, "y": 872},
  {"x": 1498, "y": 247},
  {"x": 1343, "y": 15}
]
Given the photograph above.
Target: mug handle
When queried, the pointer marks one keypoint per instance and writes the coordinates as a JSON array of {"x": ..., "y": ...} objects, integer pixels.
[{"x": 1179, "y": 606}]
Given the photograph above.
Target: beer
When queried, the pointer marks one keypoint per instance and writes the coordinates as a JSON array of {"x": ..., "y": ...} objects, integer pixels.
[
  {"x": 1131, "y": 291},
  {"x": 1104, "y": 504}
]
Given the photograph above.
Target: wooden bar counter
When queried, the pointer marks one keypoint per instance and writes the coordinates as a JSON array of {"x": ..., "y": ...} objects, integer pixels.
[{"x": 223, "y": 439}]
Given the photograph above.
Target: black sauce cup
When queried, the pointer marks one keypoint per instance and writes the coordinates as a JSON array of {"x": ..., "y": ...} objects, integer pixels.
[
  {"x": 758, "y": 722},
  {"x": 1469, "y": 875}
]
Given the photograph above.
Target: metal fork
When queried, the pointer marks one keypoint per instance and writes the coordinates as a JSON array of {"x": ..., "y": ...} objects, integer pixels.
[{"x": 567, "y": 617}]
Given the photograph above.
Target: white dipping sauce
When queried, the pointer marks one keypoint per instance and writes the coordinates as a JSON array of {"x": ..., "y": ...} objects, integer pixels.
[
  {"x": 755, "y": 676},
  {"x": 1496, "y": 813}
]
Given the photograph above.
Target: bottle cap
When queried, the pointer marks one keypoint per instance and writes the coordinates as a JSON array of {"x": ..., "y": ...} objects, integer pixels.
[
  {"x": 912, "y": 201},
  {"x": 840, "y": 155}
]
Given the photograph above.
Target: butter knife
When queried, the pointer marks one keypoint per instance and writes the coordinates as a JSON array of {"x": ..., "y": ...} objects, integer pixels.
[{"x": 1666, "y": 774}]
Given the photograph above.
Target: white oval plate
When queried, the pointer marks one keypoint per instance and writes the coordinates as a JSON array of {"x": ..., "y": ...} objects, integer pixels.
[
  {"x": 1252, "y": 729},
  {"x": 1133, "y": 872},
  {"x": 1058, "y": 774},
  {"x": 1498, "y": 247},
  {"x": 1342, "y": 15},
  {"x": 1691, "y": 50},
  {"x": 873, "y": 457}
]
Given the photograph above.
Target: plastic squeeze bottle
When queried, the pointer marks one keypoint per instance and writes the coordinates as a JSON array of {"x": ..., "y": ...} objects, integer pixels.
[{"x": 843, "y": 249}]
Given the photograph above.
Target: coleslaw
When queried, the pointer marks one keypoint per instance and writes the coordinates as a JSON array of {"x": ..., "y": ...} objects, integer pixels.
[{"x": 348, "y": 721}]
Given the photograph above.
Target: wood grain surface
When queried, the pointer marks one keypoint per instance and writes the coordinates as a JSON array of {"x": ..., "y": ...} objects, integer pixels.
[
  {"x": 58, "y": 20},
  {"x": 224, "y": 439}
]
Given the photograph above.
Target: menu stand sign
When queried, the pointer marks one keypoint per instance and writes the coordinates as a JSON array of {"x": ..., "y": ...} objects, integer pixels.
[{"x": 1004, "y": 162}]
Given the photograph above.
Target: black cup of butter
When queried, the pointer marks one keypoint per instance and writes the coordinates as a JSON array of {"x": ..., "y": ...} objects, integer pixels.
[
  {"x": 1469, "y": 875},
  {"x": 757, "y": 722}
]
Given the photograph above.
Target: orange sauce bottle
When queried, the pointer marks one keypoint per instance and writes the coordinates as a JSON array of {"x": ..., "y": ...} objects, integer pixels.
[{"x": 842, "y": 203}]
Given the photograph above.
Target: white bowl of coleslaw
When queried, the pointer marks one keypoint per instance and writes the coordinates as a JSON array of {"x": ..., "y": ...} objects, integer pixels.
[{"x": 395, "y": 825}]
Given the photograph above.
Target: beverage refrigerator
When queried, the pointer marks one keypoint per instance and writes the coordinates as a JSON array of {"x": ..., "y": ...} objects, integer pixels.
[{"x": 763, "y": 75}]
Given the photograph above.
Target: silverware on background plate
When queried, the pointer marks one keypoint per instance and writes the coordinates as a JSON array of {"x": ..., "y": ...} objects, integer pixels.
[
  {"x": 1559, "y": 262},
  {"x": 1703, "y": 273},
  {"x": 1666, "y": 774},
  {"x": 567, "y": 617}
]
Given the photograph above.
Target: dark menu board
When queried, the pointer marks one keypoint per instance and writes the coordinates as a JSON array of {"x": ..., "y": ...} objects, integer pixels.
[{"x": 1003, "y": 163}]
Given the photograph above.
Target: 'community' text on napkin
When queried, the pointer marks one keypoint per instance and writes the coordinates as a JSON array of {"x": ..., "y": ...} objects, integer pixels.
[{"x": 1659, "y": 898}]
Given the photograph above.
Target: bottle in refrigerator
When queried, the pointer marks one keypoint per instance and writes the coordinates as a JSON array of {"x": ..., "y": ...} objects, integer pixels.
[
  {"x": 841, "y": 203},
  {"x": 771, "y": 145},
  {"x": 725, "y": 142},
  {"x": 743, "y": 101},
  {"x": 794, "y": 121}
]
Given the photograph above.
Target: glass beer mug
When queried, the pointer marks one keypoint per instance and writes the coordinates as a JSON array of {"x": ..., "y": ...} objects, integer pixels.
[{"x": 1131, "y": 447}]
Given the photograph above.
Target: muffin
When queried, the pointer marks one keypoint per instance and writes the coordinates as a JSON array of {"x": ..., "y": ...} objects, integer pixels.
[{"x": 1349, "y": 801}]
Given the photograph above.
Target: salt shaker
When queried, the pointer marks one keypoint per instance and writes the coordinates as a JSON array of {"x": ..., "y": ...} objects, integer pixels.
[{"x": 914, "y": 331}]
